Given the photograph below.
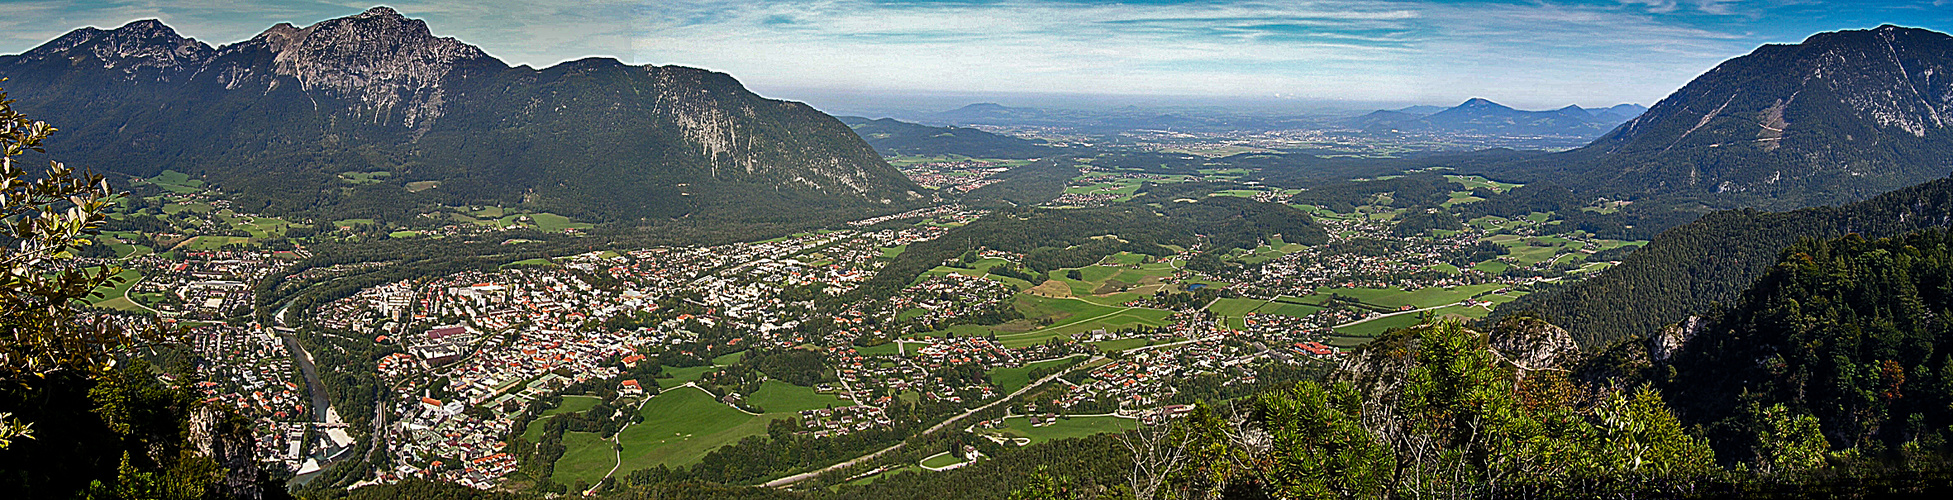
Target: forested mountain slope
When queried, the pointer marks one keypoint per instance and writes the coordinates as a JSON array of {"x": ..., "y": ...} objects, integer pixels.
[
  {"x": 1850, "y": 331},
  {"x": 276, "y": 119},
  {"x": 1691, "y": 269}
]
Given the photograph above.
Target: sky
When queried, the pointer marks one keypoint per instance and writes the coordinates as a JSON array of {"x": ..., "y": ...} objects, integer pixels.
[{"x": 1534, "y": 54}]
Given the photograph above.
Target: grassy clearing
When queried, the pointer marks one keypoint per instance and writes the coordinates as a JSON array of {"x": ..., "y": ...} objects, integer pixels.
[
  {"x": 1113, "y": 322},
  {"x": 729, "y": 359},
  {"x": 1012, "y": 379},
  {"x": 418, "y": 186},
  {"x": 586, "y": 456},
  {"x": 681, "y": 426},
  {"x": 941, "y": 460},
  {"x": 679, "y": 376},
  {"x": 215, "y": 242},
  {"x": 178, "y": 182},
  {"x": 780, "y": 397},
  {"x": 1121, "y": 344},
  {"x": 1287, "y": 309},
  {"x": 1420, "y": 298},
  {"x": 1074, "y": 427},
  {"x": 1235, "y": 307},
  {"x": 365, "y": 177},
  {"x": 571, "y": 404},
  {"x": 536, "y": 262},
  {"x": 1376, "y": 327},
  {"x": 1475, "y": 182},
  {"x": 888, "y": 349},
  {"x": 551, "y": 222}
]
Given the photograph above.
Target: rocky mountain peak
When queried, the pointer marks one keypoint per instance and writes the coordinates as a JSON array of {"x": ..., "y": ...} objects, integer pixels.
[
  {"x": 145, "y": 46},
  {"x": 379, "y": 11},
  {"x": 1837, "y": 118},
  {"x": 378, "y": 59},
  {"x": 1481, "y": 103}
]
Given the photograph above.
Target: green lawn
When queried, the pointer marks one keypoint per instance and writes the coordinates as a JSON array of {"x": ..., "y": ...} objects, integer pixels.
[
  {"x": 1235, "y": 307},
  {"x": 1121, "y": 344},
  {"x": 1420, "y": 298},
  {"x": 536, "y": 262},
  {"x": 729, "y": 359},
  {"x": 573, "y": 403},
  {"x": 681, "y": 426},
  {"x": 1287, "y": 309},
  {"x": 552, "y": 222},
  {"x": 1074, "y": 427},
  {"x": 888, "y": 349},
  {"x": 679, "y": 376},
  {"x": 365, "y": 177},
  {"x": 178, "y": 182},
  {"x": 1111, "y": 322},
  {"x": 116, "y": 296},
  {"x": 586, "y": 456},
  {"x": 1012, "y": 379},
  {"x": 780, "y": 397},
  {"x": 941, "y": 460},
  {"x": 1376, "y": 327}
]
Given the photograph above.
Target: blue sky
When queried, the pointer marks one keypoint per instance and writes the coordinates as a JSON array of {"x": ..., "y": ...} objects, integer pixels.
[{"x": 1535, "y": 54}]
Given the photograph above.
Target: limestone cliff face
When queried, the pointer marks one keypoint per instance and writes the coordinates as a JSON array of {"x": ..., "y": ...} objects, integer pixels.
[
  {"x": 377, "y": 59},
  {"x": 139, "y": 50},
  {"x": 1673, "y": 338},
  {"x": 281, "y": 114},
  {"x": 1531, "y": 344},
  {"x": 232, "y": 448}
]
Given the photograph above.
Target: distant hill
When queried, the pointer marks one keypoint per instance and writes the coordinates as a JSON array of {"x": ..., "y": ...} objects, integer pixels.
[
  {"x": 1840, "y": 117},
  {"x": 1484, "y": 117},
  {"x": 1691, "y": 269},
  {"x": 992, "y": 113},
  {"x": 274, "y": 120},
  {"x": 891, "y": 137}
]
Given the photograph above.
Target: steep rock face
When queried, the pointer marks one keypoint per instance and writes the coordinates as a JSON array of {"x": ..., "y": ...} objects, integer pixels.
[
  {"x": 139, "y": 50},
  {"x": 376, "y": 59},
  {"x": 1532, "y": 344},
  {"x": 1673, "y": 338},
  {"x": 1837, "y": 118},
  {"x": 273, "y": 120},
  {"x": 232, "y": 447}
]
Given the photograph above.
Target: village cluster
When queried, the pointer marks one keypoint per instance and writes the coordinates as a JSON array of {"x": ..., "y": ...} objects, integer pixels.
[{"x": 466, "y": 357}]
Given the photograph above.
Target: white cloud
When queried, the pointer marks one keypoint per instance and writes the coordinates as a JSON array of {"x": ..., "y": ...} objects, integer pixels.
[
  {"x": 1549, "y": 52},
  {"x": 1356, "y": 49}
]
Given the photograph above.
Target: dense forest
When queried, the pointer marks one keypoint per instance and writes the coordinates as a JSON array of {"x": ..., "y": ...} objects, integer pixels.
[
  {"x": 1692, "y": 269},
  {"x": 1852, "y": 333}
]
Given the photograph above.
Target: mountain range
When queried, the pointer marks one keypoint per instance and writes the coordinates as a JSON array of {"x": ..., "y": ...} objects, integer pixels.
[
  {"x": 274, "y": 121},
  {"x": 892, "y": 137},
  {"x": 1483, "y": 117}
]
